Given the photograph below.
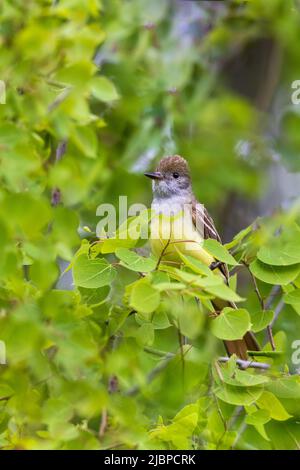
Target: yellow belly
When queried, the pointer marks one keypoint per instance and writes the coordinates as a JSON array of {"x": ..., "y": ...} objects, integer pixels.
[{"x": 173, "y": 234}]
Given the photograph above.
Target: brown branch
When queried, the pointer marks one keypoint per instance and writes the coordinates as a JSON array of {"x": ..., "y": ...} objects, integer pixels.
[
  {"x": 162, "y": 254},
  {"x": 271, "y": 337},
  {"x": 256, "y": 289},
  {"x": 103, "y": 423}
]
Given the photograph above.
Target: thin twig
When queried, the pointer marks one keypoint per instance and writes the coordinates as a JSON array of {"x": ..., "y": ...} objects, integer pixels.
[
  {"x": 181, "y": 342},
  {"x": 151, "y": 376},
  {"x": 59, "y": 153},
  {"x": 278, "y": 310},
  {"x": 162, "y": 254},
  {"x": 257, "y": 291},
  {"x": 262, "y": 304},
  {"x": 158, "y": 352},
  {"x": 167, "y": 357},
  {"x": 240, "y": 433},
  {"x": 246, "y": 364},
  {"x": 103, "y": 423},
  {"x": 274, "y": 291},
  {"x": 271, "y": 337},
  {"x": 59, "y": 99}
]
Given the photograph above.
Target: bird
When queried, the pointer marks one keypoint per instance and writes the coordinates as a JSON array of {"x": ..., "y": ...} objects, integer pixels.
[{"x": 182, "y": 219}]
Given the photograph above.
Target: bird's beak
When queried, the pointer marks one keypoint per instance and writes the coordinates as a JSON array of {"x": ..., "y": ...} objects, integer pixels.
[{"x": 156, "y": 175}]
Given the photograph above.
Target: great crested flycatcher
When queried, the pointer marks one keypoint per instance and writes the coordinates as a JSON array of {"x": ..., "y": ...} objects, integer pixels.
[{"x": 180, "y": 225}]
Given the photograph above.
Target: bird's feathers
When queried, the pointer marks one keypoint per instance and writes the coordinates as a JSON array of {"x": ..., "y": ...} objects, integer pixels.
[
  {"x": 200, "y": 226},
  {"x": 174, "y": 163}
]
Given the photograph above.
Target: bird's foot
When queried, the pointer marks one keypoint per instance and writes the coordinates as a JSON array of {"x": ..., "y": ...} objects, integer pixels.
[{"x": 215, "y": 264}]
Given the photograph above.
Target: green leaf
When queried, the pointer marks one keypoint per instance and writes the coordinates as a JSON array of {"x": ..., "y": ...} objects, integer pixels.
[
  {"x": 241, "y": 378},
  {"x": 238, "y": 238},
  {"x": 258, "y": 417},
  {"x": 103, "y": 89},
  {"x": 266, "y": 353},
  {"x": 44, "y": 274},
  {"x": 283, "y": 250},
  {"x": 5, "y": 390},
  {"x": 180, "y": 429},
  {"x": 281, "y": 275},
  {"x": 231, "y": 324},
  {"x": 131, "y": 260},
  {"x": 261, "y": 319},
  {"x": 86, "y": 141},
  {"x": 249, "y": 380},
  {"x": 128, "y": 233},
  {"x": 293, "y": 297},
  {"x": 110, "y": 245},
  {"x": 164, "y": 286},
  {"x": 92, "y": 273},
  {"x": 145, "y": 334},
  {"x": 94, "y": 296},
  {"x": 189, "y": 318},
  {"x": 267, "y": 401},
  {"x": 224, "y": 292},
  {"x": 239, "y": 396},
  {"x": 213, "y": 284},
  {"x": 260, "y": 428},
  {"x": 195, "y": 264},
  {"x": 285, "y": 387},
  {"x": 144, "y": 297},
  {"x": 219, "y": 251},
  {"x": 160, "y": 320}
]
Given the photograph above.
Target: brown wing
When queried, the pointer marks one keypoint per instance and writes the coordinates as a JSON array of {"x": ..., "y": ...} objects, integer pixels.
[{"x": 205, "y": 224}]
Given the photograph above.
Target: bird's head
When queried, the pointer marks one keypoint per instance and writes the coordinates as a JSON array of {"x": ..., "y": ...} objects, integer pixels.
[{"x": 171, "y": 177}]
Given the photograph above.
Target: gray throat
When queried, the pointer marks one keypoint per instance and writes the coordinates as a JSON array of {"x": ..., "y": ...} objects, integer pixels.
[{"x": 172, "y": 204}]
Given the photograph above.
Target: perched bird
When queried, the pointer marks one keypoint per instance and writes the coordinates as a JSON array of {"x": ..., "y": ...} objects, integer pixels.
[{"x": 182, "y": 223}]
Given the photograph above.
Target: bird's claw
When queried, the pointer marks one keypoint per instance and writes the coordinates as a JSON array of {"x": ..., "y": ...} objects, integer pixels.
[{"x": 215, "y": 264}]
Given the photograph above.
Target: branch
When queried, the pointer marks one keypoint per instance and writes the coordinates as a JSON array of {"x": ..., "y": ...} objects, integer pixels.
[
  {"x": 262, "y": 304},
  {"x": 59, "y": 99},
  {"x": 246, "y": 364},
  {"x": 103, "y": 423},
  {"x": 256, "y": 289},
  {"x": 162, "y": 254},
  {"x": 274, "y": 291},
  {"x": 60, "y": 151},
  {"x": 278, "y": 310},
  {"x": 158, "y": 352},
  {"x": 166, "y": 356},
  {"x": 152, "y": 374}
]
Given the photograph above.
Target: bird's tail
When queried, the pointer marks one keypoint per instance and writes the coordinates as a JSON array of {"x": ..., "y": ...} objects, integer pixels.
[{"x": 240, "y": 347}]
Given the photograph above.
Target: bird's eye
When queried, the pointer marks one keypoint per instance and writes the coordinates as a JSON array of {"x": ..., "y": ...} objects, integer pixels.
[{"x": 175, "y": 175}]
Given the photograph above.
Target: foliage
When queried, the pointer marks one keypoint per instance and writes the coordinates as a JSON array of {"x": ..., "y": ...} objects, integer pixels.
[{"x": 95, "y": 91}]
